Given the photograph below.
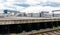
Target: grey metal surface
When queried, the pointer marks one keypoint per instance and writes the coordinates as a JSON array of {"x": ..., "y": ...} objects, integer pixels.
[
  {"x": 36, "y": 15},
  {"x": 29, "y": 14},
  {"x": 56, "y": 15},
  {"x": 46, "y": 14}
]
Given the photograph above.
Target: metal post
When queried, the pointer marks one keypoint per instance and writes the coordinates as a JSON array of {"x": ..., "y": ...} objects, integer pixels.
[
  {"x": 40, "y": 14},
  {"x": 53, "y": 13}
]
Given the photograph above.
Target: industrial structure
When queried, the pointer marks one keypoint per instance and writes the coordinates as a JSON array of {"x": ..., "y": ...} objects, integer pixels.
[{"x": 19, "y": 22}]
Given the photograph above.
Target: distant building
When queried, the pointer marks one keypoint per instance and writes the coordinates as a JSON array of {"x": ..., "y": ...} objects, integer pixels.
[
  {"x": 46, "y": 14},
  {"x": 55, "y": 10},
  {"x": 56, "y": 13}
]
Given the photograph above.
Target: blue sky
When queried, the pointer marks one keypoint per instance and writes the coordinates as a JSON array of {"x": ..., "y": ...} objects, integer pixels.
[{"x": 27, "y": 5}]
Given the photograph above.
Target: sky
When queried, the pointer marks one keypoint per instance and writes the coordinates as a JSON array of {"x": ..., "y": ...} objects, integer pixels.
[{"x": 30, "y": 5}]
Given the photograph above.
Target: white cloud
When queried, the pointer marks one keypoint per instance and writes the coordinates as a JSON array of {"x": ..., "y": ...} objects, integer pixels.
[
  {"x": 58, "y": 1},
  {"x": 35, "y": 1},
  {"x": 32, "y": 2},
  {"x": 35, "y": 9},
  {"x": 8, "y": 4}
]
